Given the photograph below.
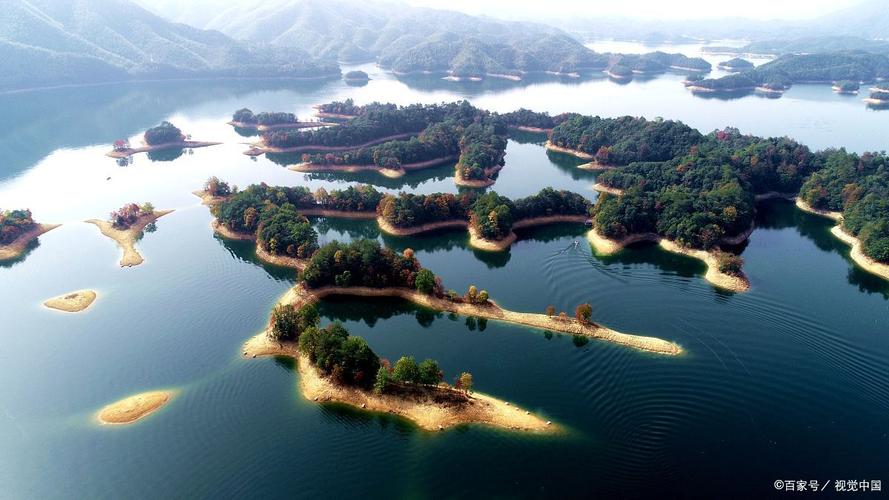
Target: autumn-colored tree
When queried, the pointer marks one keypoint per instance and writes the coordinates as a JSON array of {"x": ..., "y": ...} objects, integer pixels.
[
  {"x": 550, "y": 311},
  {"x": 464, "y": 382},
  {"x": 583, "y": 313}
]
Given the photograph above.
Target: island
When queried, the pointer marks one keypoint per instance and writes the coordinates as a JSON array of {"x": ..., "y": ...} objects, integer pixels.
[
  {"x": 822, "y": 67},
  {"x": 846, "y": 87},
  {"x": 133, "y": 408},
  {"x": 163, "y": 137},
  {"x": 878, "y": 98},
  {"x": 526, "y": 120},
  {"x": 736, "y": 65},
  {"x": 244, "y": 118},
  {"x": 17, "y": 230},
  {"x": 337, "y": 367},
  {"x": 701, "y": 200},
  {"x": 377, "y": 138},
  {"x": 339, "y": 110},
  {"x": 72, "y": 302},
  {"x": 356, "y": 77},
  {"x": 126, "y": 225}
]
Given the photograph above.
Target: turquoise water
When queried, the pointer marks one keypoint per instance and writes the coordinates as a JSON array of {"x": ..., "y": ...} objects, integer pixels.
[{"x": 789, "y": 380}]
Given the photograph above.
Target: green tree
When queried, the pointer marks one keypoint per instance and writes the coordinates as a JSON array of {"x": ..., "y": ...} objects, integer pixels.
[
  {"x": 406, "y": 370},
  {"x": 425, "y": 281},
  {"x": 429, "y": 372}
]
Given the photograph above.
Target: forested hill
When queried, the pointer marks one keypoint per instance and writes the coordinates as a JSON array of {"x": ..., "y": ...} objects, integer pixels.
[
  {"x": 402, "y": 38},
  {"x": 786, "y": 70},
  {"x": 54, "y": 42}
]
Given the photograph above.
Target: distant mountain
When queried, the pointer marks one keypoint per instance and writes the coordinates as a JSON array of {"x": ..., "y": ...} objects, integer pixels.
[
  {"x": 399, "y": 37},
  {"x": 807, "y": 45},
  {"x": 869, "y": 19},
  {"x": 55, "y": 42}
]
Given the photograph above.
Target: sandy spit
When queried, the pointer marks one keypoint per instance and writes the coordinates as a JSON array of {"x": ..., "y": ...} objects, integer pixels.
[
  {"x": 579, "y": 154},
  {"x": 126, "y": 239},
  {"x": 425, "y": 413},
  {"x": 18, "y": 246}
]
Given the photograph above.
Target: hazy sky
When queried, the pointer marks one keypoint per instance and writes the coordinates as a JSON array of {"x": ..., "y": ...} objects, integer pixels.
[{"x": 652, "y": 9}]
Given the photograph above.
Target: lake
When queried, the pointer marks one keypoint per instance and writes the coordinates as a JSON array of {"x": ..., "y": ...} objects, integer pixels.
[{"x": 787, "y": 381}]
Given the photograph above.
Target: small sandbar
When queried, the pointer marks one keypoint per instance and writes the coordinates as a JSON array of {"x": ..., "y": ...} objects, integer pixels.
[
  {"x": 126, "y": 152},
  {"x": 20, "y": 244},
  {"x": 595, "y": 166},
  {"x": 209, "y": 199},
  {"x": 72, "y": 302},
  {"x": 133, "y": 408},
  {"x": 606, "y": 246},
  {"x": 126, "y": 238},
  {"x": 573, "y": 152},
  {"x": 431, "y": 409}
]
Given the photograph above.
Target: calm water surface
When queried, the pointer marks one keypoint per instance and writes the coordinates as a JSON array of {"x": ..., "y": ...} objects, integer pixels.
[{"x": 789, "y": 380}]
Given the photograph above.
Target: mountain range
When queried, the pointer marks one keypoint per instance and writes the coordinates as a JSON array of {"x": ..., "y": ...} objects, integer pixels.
[{"x": 56, "y": 42}]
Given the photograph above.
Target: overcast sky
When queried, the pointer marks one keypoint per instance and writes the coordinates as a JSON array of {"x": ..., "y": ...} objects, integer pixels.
[{"x": 650, "y": 9}]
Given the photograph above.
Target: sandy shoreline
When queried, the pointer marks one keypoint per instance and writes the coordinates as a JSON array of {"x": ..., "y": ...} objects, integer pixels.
[
  {"x": 573, "y": 152},
  {"x": 299, "y": 296},
  {"x": 261, "y": 253},
  {"x": 424, "y": 412},
  {"x": 72, "y": 302},
  {"x": 133, "y": 408},
  {"x": 602, "y": 188},
  {"x": 388, "y": 228},
  {"x": 606, "y": 246},
  {"x": 459, "y": 180},
  {"x": 208, "y": 199},
  {"x": 477, "y": 241},
  {"x": 20, "y": 244},
  {"x": 870, "y": 265},
  {"x": 534, "y": 130},
  {"x": 260, "y": 148},
  {"x": 805, "y": 207},
  {"x": 123, "y": 153},
  {"x": 856, "y": 253},
  {"x": 305, "y": 167},
  {"x": 280, "y": 126},
  {"x": 126, "y": 239}
]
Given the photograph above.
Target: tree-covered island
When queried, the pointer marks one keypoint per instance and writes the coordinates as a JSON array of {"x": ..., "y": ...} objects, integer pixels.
[
  {"x": 338, "y": 367},
  {"x": 17, "y": 230},
  {"x": 162, "y": 137}
]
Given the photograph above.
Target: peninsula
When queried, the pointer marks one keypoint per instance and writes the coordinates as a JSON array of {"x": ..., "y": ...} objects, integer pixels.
[
  {"x": 343, "y": 374},
  {"x": 126, "y": 225},
  {"x": 164, "y": 136},
  {"x": 275, "y": 216},
  {"x": 261, "y": 122},
  {"x": 17, "y": 230}
]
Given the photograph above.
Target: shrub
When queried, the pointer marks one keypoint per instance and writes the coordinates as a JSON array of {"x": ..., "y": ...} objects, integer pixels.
[{"x": 583, "y": 313}]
